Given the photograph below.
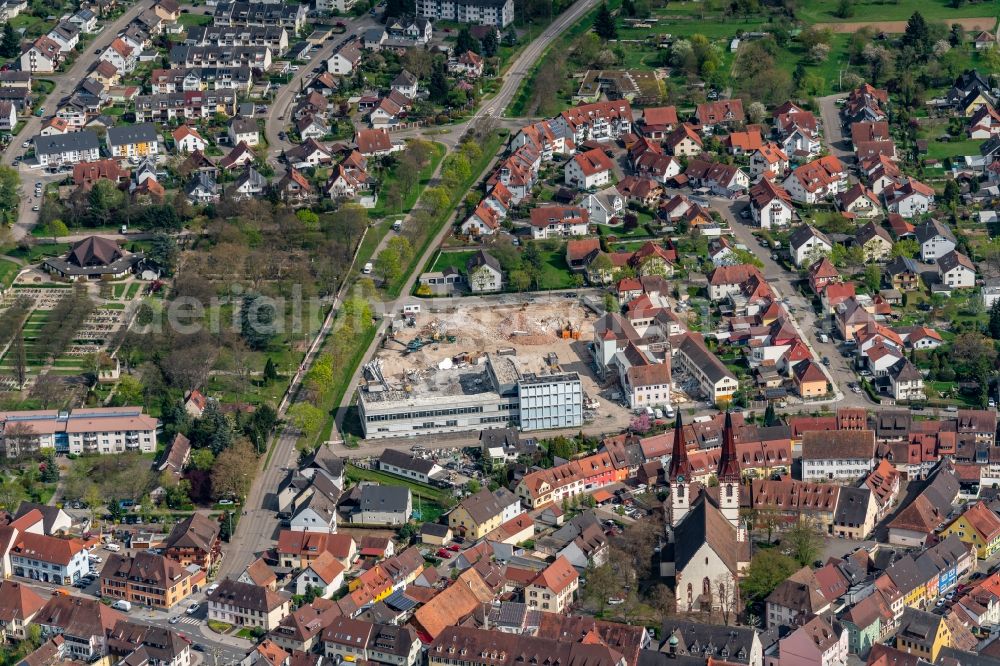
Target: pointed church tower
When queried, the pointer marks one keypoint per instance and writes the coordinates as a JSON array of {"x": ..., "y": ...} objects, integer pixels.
[
  {"x": 679, "y": 477},
  {"x": 729, "y": 478}
]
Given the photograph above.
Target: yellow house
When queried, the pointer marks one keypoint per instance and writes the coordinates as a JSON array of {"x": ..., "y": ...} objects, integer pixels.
[
  {"x": 978, "y": 526},
  {"x": 971, "y": 104},
  {"x": 480, "y": 513},
  {"x": 128, "y": 141},
  {"x": 922, "y": 634},
  {"x": 810, "y": 380}
]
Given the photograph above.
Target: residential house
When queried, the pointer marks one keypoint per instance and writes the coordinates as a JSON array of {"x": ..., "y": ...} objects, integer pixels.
[
  {"x": 856, "y": 513},
  {"x": 345, "y": 59},
  {"x": 769, "y": 159},
  {"x": 82, "y": 626},
  {"x": 482, "y": 512},
  {"x": 553, "y": 589},
  {"x": 909, "y": 199},
  {"x": 468, "y": 65},
  {"x": 43, "y": 57},
  {"x": 133, "y": 141},
  {"x": 978, "y": 526},
  {"x": 956, "y": 270},
  {"x": 874, "y": 241},
  {"x": 187, "y": 140},
  {"x": 194, "y": 540},
  {"x": 817, "y": 180},
  {"x": 795, "y": 600},
  {"x": 148, "y": 579},
  {"x": 820, "y": 642},
  {"x": 559, "y": 221},
  {"x": 65, "y": 149},
  {"x": 906, "y": 383},
  {"x": 121, "y": 55},
  {"x": 246, "y": 605},
  {"x": 922, "y": 634},
  {"x": 843, "y": 455},
  {"x": 325, "y": 575},
  {"x": 244, "y": 130},
  {"x": 383, "y": 505},
  {"x": 684, "y": 142},
  {"x": 19, "y": 604},
  {"x": 903, "y": 274},
  {"x": 48, "y": 559},
  {"x": 604, "y": 207},
  {"x": 808, "y": 244},
  {"x": 484, "y": 272},
  {"x": 588, "y": 170},
  {"x": 721, "y": 112},
  {"x": 860, "y": 202},
  {"x": 770, "y": 205}
]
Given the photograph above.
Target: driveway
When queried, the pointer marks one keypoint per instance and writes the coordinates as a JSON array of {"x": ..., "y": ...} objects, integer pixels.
[
  {"x": 833, "y": 128},
  {"x": 804, "y": 318}
]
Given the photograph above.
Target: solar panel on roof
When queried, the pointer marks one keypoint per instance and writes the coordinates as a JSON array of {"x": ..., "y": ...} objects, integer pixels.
[{"x": 399, "y": 602}]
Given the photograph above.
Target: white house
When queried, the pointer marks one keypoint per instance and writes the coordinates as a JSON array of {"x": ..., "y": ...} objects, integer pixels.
[
  {"x": 590, "y": 169},
  {"x": 841, "y": 455},
  {"x": 807, "y": 243},
  {"x": 860, "y": 202},
  {"x": 910, "y": 199},
  {"x": 936, "y": 240},
  {"x": 484, "y": 221},
  {"x": 8, "y": 116},
  {"x": 325, "y": 574},
  {"x": 957, "y": 270},
  {"x": 905, "y": 381},
  {"x": 484, "y": 273},
  {"x": 817, "y": 180},
  {"x": 66, "y": 35},
  {"x": 770, "y": 205},
  {"x": 558, "y": 221},
  {"x": 604, "y": 206},
  {"x": 245, "y": 130},
  {"x": 43, "y": 57},
  {"x": 187, "y": 140},
  {"x": 120, "y": 55},
  {"x": 345, "y": 59},
  {"x": 769, "y": 158},
  {"x": 406, "y": 84}
]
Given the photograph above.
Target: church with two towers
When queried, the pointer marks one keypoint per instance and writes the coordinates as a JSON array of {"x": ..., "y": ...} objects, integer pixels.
[{"x": 708, "y": 548}]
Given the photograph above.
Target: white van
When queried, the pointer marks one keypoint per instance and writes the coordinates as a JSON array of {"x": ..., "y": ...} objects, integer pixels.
[
  {"x": 113, "y": 547},
  {"x": 822, "y": 337},
  {"x": 122, "y": 605},
  {"x": 659, "y": 413},
  {"x": 368, "y": 268},
  {"x": 397, "y": 225}
]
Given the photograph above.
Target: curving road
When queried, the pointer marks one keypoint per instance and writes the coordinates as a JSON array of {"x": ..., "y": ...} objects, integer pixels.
[
  {"x": 65, "y": 83},
  {"x": 258, "y": 527}
]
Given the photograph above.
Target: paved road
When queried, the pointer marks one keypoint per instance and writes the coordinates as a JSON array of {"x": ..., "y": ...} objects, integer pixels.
[
  {"x": 806, "y": 320},
  {"x": 259, "y": 526},
  {"x": 279, "y": 114},
  {"x": 833, "y": 128},
  {"x": 65, "y": 84}
]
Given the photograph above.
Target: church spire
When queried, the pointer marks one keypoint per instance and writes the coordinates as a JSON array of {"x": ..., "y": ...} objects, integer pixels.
[
  {"x": 729, "y": 464},
  {"x": 679, "y": 465}
]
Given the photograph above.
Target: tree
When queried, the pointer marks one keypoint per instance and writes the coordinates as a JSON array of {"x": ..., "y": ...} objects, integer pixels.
[
  {"x": 604, "y": 24},
  {"x": 56, "y": 229},
  {"x": 259, "y": 321},
  {"x": 129, "y": 391},
  {"x": 803, "y": 541},
  {"x": 388, "y": 265},
  {"x": 770, "y": 417},
  {"x": 873, "y": 277},
  {"x": 845, "y": 9},
  {"x": 202, "y": 459},
  {"x": 968, "y": 349},
  {"x": 307, "y": 418},
  {"x": 19, "y": 358},
  {"x": 905, "y": 247},
  {"x": 233, "y": 471},
  {"x": 490, "y": 44},
  {"x": 466, "y": 42},
  {"x": 917, "y": 35},
  {"x": 105, "y": 198},
  {"x": 270, "y": 371},
  {"x": 10, "y": 45},
  {"x": 994, "y": 325},
  {"x": 438, "y": 88},
  {"x": 10, "y": 198},
  {"x": 602, "y": 584},
  {"x": 756, "y": 112},
  {"x": 398, "y": 8},
  {"x": 473, "y": 486},
  {"x": 11, "y": 495},
  {"x": 767, "y": 569}
]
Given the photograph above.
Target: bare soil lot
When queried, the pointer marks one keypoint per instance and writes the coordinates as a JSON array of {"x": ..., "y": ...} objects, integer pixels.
[{"x": 969, "y": 24}]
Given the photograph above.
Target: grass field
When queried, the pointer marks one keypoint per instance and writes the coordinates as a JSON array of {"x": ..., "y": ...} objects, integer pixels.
[
  {"x": 426, "y": 492},
  {"x": 555, "y": 272},
  {"x": 410, "y": 200},
  {"x": 192, "y": 20},
  {"x": 8, "y": 269},
  {"x": 822, "y": 11},
  {"x": 456, "y": 260}
]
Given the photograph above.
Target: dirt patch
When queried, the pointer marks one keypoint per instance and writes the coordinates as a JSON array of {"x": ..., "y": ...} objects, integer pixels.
[{"x": 969, "y": 24}]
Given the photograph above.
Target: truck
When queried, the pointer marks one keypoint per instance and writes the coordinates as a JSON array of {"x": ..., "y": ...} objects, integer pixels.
[{"x": 122, "y": 605}]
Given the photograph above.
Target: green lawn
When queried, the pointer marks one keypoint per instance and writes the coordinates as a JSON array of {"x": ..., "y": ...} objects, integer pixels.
[
  {"x": 456, "y": 260},
  {"x": 555, "y": 273},
  {"x": 410, "y": 200},
  {"x": 822, "y": 11},
  {"x": 39, "y": 251},
  {"x": 941, "y": 149},
  {"x": 192, "y": 20},
  {"x": 8, "y": 269},
  {"x": 421, "y": 490}
]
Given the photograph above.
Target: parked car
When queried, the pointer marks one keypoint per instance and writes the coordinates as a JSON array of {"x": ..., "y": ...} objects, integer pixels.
[{"x": 193, "y": 608}]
